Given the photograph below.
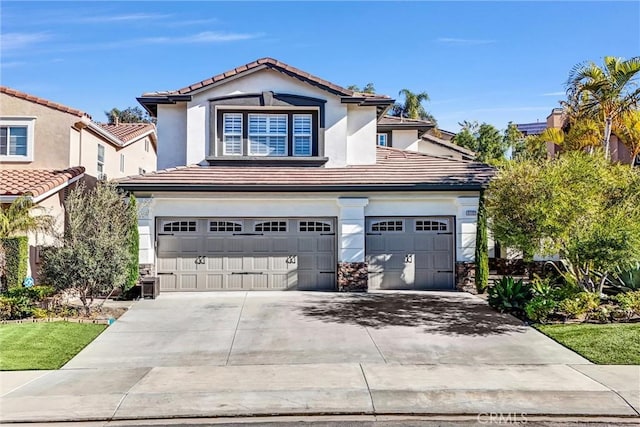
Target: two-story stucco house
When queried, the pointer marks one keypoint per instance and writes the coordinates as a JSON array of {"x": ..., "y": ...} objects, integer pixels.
[
  {"x": 46, "y": 147},
  {"x": 273, "y": 179}
]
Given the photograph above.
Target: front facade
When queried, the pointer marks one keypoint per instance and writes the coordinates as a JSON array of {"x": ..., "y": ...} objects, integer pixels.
[{"x": 274, "y": 180}]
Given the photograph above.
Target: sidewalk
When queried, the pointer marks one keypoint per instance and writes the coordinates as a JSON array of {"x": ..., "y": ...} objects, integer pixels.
[{"x": 356, "y": 389}]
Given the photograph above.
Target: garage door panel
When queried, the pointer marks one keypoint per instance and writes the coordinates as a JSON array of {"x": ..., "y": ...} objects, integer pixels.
[
  {"x": 236, "y": 254},
  {"x": 410, "y": 253},
  {"x": 168, "y": 282}
]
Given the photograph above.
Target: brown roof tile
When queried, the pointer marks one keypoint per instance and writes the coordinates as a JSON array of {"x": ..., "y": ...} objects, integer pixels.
[
  {"x": 42, "y": 101},
  {"x": 127, "y": 131},
  {"x": 393, "y": 120},
  {"x": 394, "y": 168},
  {"x": 18, "y": 182},
  {"x": 275, "y": 65}
]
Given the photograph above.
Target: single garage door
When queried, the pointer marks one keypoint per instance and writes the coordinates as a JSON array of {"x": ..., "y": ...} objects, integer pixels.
[
  {"x": 214, "y": 254},
  {"x": 410, "y": 252}
]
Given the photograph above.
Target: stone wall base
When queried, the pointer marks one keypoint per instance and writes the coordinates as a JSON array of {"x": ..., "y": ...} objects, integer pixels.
[
  {"x": 352, "y": 277},
  {"x": 146, "y": 270},
  {"x": 465, "y": 277}
]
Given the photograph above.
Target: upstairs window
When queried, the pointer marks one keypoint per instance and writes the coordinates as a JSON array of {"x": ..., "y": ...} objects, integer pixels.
[
  {"x": 100, "y": 164},
  {"x": 271, "y": 133},
  {"x": 122, "y": 163},
  {"x": 16, "y": 139},
  {"x": 268, "y": 134},
  {"x": 382, "y": 140}
]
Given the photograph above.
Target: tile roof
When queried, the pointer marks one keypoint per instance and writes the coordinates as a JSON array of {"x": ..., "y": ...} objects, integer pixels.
[
  {"x": 448, "y": 144},
  {"x": 273, "y": 64},
  {"x": 42, "y": 101},
  {"x": 36, "y": 182},
  {"x": 394, "y": 170},
  {"x": 126, "y": 132}
]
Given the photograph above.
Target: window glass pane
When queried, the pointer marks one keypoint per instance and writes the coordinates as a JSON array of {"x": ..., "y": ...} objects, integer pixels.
[
  {"x": 382, "y": 139},
  {"x": 302, "y": 135},
  {"x": 3, "y": 141},
  {"x": 232, "y": 134},
  {"x": 100, "y": 153},
  {"x": 268, "y": 134},
  {"x": 17, "y": 141}
]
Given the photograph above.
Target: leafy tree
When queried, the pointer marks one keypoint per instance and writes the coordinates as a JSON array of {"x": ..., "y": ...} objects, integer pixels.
[
  {"x": 628, "y": 131},
  {"x": 482, "y": 248},
  {"x": 412, "y": 107},
  {"x": 18, "y": 218},
  {"x": 368, "y": 88},
  {"x": 531, "y": 147},
  {"x": 466, "y": 139},
  {"x": 578, "y": 206},
  {"x": 134, "y": 247},
  {"x": 94, "y": 254},
  {"x": 512, "y": 136},
  {"x": 491, "y": 146},
  {"x": 604, "y": 93},
  {"x": 128, "y": 115}
]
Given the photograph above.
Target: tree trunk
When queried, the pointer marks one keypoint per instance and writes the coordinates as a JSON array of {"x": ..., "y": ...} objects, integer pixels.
[{"x": 607, "y": 137}]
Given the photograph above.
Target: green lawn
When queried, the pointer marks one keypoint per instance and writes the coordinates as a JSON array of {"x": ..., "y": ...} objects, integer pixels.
[
  {"x": 43, "y": 345},
  {"x": 614, "y": 344}
]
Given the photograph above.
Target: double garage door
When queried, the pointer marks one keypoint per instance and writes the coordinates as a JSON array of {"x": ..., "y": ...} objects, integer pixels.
[{"x": 210, "y": 254}]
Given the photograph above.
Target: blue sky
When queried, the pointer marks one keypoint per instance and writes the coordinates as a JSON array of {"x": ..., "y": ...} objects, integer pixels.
[{"x": 487, "y": 61}]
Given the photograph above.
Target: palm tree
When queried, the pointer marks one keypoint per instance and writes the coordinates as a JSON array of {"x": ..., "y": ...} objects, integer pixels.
[
  {"x": 628, "y": 131},
  {"x": 583, "y": 134},
  {"x": 604, "y": 93},
  {"x": 17, "y": 219},
  {"x": 412, "y": 107}
]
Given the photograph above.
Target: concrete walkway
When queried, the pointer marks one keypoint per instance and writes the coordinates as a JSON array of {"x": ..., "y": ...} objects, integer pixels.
[{"x": 316, "y": 389}]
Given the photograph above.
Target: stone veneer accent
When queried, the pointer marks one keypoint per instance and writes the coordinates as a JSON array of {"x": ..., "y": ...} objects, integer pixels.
[
  {"x": 145, "y": 270},
  {"x": 353, "y": 277},
  {"x": 465, "y": 277}
]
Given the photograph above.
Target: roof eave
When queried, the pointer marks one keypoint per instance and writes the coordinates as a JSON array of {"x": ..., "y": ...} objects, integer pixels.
[
  {"x": 141, "y": 187},
  {"x": 150, "y": 103}
]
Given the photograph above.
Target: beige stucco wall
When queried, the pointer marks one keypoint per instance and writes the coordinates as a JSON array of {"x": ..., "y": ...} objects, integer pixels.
[
  {"x": 52, "y": 205},
  {"x": 52, "y": 132}
]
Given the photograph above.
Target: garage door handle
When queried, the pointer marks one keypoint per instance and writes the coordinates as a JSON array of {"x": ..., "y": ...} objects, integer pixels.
[
  {"x": 247, "y": 272},
  {"x": 374, "y": 234},
  {"x": 163, "y": 274},
  {"x": 445, "y": 271},
  {"x": 165, "y": 234},
  {"x": 449, "y": 232},
  {"x": 327, "y": 272},
  {"x": 248, "y": 234},
  {"x": 327, "y": 234}
]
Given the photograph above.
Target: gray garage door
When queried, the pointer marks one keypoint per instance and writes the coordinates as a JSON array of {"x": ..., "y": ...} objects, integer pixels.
[
  {"x": 213, "y": 254},
  {"x": 410, "y": 252}
]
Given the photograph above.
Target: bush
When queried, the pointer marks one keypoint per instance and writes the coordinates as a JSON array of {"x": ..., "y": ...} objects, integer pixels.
[
  {"x": 540, "y": 308},
  {"x": 133, "y": 268},
  {"x": 482, "y": 249},
  {"x": 580, "y": 304},
  {"x": 629, "y": 302},
  {"x": 16, "y": 252},
  {"x": 34, "y": 293},
  {"x": 508, "y": 295},
  {"x": 15, "y": 307}
]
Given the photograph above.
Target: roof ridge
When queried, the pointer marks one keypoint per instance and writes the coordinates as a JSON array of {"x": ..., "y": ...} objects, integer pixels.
[
  {"x": 416, "y": 153},
  {"x": 42, "y": 101}
]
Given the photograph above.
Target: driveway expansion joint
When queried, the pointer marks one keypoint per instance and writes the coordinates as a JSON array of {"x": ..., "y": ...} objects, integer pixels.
[{"x": 235, "y": 332}]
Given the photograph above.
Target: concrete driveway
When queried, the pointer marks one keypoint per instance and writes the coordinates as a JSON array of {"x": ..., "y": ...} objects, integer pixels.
[{"x": 277, "y": 328}]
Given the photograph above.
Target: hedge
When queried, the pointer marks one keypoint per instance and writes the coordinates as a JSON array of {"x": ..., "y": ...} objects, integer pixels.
[
  {"x": 134, "y": 245},
  {"x": 482, "y": 250},
  {"x": 16, "y": 251}
]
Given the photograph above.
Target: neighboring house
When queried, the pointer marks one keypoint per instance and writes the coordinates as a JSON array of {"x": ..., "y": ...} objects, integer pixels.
[
  {"x": 419, "y": 136},
  {"x": 285, "y": 187},
  {"x": 45, "y": 147},
  {"x": 618, "y": 151}
]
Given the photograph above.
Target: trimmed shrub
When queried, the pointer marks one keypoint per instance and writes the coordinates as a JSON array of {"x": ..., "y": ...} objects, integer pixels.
[
  {"x": 34, "y": 293},
  {"x": 134, "y": 245},
  {"x": 540, "y": 308},
  {"x": 15, "y": 307},
  {"x": 16, "y": 252},
  {"x": 482, "y": 249},
  {"x": 629, "y": 302},
  {"x": 580, "y": 304},
  {"x": 509, "y": 295}
]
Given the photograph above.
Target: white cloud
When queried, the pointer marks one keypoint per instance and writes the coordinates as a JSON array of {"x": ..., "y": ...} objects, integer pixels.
[
  {"x": 16, "y": 41},
  {"x": 122, "y": 18},
  {"x": 12, "y": 64},
  {"x": 463, "y": 42},
  {"x": 203, "y": 37},
  {"x": 560, "y": 93}
]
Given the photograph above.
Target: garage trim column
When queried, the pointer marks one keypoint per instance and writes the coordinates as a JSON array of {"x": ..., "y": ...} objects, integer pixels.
[
  {"x": 352, "y": 269},
  {"x": 466, "y": 224},
  {"x": 146, "y": 232}
]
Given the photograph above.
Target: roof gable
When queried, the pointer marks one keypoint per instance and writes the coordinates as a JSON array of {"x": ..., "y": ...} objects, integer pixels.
[{"x": 41, "y": 101}]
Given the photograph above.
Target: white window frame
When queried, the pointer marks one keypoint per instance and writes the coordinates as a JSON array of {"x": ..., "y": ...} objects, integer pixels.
[
  {"x": 146, "y": 145},
  {"x": 303, "y": 134},
  {"x": 386, "y": 140},
  {"x": 269, "y": 116},
  {"x": 26, "y": 122},
  {"x": 100, "y": 163},
  {"x": 225, "y": 134},
  {"x": 121, "y": 162}
]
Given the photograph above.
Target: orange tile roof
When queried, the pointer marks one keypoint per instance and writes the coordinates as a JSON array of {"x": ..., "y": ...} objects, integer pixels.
[
  {"x": 126, "y": 132},
  {"x": 35, "y": 182},
  {"x": 275, "y": 65},
  {"x": 396, "y": 169},
  {"x": 42, "y": 101}
]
